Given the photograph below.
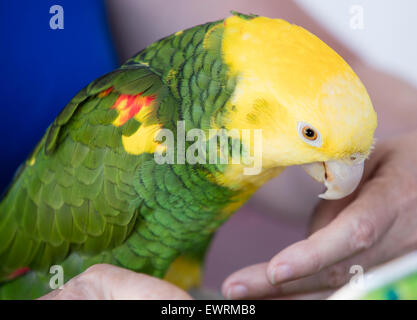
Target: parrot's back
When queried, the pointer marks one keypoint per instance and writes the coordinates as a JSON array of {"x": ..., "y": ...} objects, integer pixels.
[{"x": 92, "y": 192}]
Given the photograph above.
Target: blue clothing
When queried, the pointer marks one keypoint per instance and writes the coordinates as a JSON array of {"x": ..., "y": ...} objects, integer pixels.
[{"x": 43, "y": 68}]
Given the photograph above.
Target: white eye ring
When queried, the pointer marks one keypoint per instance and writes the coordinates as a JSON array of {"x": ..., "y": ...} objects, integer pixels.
[{"x": 315, "y": 140}]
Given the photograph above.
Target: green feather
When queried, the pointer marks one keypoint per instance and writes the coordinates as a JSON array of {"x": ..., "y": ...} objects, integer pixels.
[{"x": 82, "y": 199}]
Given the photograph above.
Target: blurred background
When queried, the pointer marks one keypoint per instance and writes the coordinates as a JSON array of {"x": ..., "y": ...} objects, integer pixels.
[{"x": 43, "y": 68}]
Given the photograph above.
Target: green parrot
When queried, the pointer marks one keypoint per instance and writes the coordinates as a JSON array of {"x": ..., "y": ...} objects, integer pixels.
[{"x": 100, "y": 187}]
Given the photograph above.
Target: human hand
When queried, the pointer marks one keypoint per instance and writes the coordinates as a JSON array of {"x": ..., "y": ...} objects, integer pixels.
[
  {"x": 107, "y": 282},
  {"x": 375, "y": 224}
]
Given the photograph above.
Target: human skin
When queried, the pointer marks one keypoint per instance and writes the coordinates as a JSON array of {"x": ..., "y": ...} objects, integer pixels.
[
  {"x": 107, "y": 282},
  {"x": 375, "y": 224}
]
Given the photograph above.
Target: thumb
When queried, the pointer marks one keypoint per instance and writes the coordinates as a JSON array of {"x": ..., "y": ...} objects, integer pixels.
[{"x": 109, "y": 282}]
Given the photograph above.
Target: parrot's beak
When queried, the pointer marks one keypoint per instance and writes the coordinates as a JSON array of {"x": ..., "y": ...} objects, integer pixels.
[{"x": 341, "y": 177}]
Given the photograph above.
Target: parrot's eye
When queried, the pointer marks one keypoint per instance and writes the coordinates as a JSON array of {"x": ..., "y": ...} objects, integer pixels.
[{"x": 309, "y": 134}]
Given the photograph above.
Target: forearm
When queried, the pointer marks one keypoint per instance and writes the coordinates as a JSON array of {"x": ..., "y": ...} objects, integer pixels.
[{"x": 136, "y": 24}]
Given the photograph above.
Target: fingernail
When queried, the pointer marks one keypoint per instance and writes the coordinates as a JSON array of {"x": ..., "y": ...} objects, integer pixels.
[
  {"x": 237, "y": 291},
  {"x": 280, "y": 273}
]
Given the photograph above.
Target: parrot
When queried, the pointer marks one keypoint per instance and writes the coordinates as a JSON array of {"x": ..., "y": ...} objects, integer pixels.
[{"x": 92, "y": 192}]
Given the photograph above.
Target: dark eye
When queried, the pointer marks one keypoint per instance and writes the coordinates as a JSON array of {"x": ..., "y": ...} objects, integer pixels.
[{"x": 309, "y": 133}]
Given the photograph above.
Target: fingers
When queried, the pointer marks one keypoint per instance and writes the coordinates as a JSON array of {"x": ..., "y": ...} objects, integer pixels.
[
  {"x": 114, "y": 283},
  {"x": 257, "y": 286},
  {"x": 345, "y": 235},
  {"x": 377, "y": 217},
  {"x": 358, "y": 227},
  {"x": 332, "y": 277},
  {"x": 326, "y": 211},
  {"x": 251, "y": 283}
]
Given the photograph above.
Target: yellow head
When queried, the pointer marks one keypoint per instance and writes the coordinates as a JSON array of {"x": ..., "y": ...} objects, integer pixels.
[{"x": 308, "y": 102}]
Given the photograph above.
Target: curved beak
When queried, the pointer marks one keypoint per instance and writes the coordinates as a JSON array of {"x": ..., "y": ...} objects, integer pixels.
[{"x": 341, "y": 177}]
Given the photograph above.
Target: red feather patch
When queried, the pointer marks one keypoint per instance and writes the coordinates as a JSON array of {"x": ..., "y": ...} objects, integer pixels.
[
  {"x": 129, "y": 105},
  {"x": 17, "y": 273}
]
